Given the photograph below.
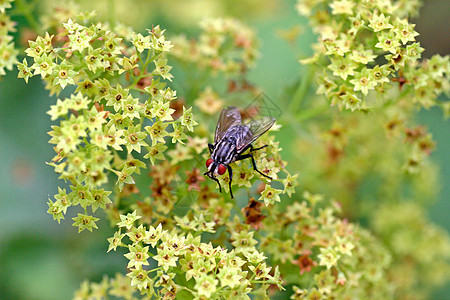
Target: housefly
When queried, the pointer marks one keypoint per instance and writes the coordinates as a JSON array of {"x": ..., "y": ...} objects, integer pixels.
[{"x": 232, "y": 139}]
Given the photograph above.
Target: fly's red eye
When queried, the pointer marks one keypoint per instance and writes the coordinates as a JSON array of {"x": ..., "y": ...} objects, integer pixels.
[
  {"x": 209, "y": 162},
  {"x": 221, "y": 169}
]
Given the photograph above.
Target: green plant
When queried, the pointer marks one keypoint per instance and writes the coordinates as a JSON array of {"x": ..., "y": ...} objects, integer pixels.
[{"x": 181, "y": 237}]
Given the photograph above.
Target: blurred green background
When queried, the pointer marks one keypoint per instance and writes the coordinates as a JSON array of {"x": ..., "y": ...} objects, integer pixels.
[{"x": 40, "y": 259}]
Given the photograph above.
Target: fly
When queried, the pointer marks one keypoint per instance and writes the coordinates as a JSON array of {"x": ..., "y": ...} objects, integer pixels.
[{"x": 232, "y": 139}]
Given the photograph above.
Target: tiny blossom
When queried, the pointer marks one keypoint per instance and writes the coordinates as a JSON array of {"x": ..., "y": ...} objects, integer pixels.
[
  {"x": 356, "y": 24},
  {"x": 63, "y": 199},
  {"x": 115, "y": 241},
  {"x": 137, "y": 235},
  {"x": 63, "y": 74},
  {"x": 363, "y": 81},
  {"x": 363, "y": 56},
  {"x": 305, "y": 263},
  {"x": 95, "y": 119},
  {"x": 131, "y": 108},
  {"x": 178, "y": 135},
  {"x": 139, "y": 278},
  {"x": 128, "y": 220},
  {"x": 159, "y": 43},
  {"x": 269, "y": 168},
  {"x": 162, "y": 111},
  {"x": 243, "y": 241},
  {"x": 103, "y": 86},
  {"x": 162, "y": 69},
  {"x": 343, "y": 246},
  {"x": 229, "y": 276},
  {"x": 157, "y": 132},
  {"x": 388, "y": 42},
  {"x": 261, "y": 271},
  {"x": 24, "y": 71},
  {"x": 270, "y": 195},
  {"x": 209, "y": 101},
  {"x": 243, "y": 174},
  {"x": 8, "y": 56},
  {"x": 85, "y": 222},
  {"x": 180, "y": 153},
  {"x": 87, "y": 87},
  {"x": 283, "y": 250},
  {"x": 206, "y": 285},
  {"x": 290, "y": 182},
  {"x": 82, "y": 195},
  {"x": 380, "y": 74},
  {"x": 343, "y": 66},
  {"x": 137, "y": 256},
  {"x": 198, "y": 144},
  {"x": 114, "y": 138},
  {"x": 255, "y": 257},
  {"x": 141, "y": 43},
  {"x": 405, "y": 31},
  {"x": 153, "y": 235},
  {"x": 328, "y": 257},
  {"x": 80, "y": 40},
  {"x": 55, "y": 209},
  {"x": 116, "y": 97},
  {"x": 100, "y": 199},
  {"x": 58, "y": 110},
  {"x": 43, "y": 65},
  {"x": 312, "y": 198},
  {"x": 94, "y": 59},
  {"x": 342, "y": 7},
  {"x": 134, "y": 138},
  {"x": 166, "y": 258},
  {"x": 379, "y": 22},
  {"x": 414, "y": 51},
  {"x": 156, "y": 152}
]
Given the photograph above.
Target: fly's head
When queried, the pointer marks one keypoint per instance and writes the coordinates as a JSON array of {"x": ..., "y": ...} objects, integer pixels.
[{"x": 214, "y": 168}]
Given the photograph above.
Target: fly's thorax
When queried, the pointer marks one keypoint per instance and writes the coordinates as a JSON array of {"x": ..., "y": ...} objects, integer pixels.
[{"x": 224, "y": 151}]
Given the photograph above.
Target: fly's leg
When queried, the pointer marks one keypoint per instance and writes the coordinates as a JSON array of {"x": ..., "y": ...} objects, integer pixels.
[
  {"x": 230, "y": 171},
  {"x": 216, "y": 180},
  {"x": 211, "y": 148},
  {"x": 254, "y": 149},
  {"x": 249, "y": 155}
]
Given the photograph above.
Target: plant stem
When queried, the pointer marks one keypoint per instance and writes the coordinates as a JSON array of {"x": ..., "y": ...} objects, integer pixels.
[
  {"x": 311, "y": 113},
  {"x": 111, "y": 13},
  {"x": 301, "y": 91},
  {"x": 24, "y": 9}
]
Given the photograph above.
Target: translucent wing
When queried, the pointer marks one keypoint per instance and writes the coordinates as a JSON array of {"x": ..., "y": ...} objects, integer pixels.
[
  {"x": 256, "y": 129},
  {"x": 229, "y": 117}
]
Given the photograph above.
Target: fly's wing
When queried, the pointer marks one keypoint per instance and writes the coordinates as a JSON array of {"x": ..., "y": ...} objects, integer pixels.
[
  {"x": 229, "y": 117},
  {"x": 256, "y": 129}
]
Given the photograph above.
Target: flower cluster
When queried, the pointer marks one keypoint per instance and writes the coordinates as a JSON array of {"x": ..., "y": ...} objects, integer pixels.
[
  {"x": 120, "y": 108},
  {"x": 341, "y": 259},
  {"x": 420, "y": 249},
  {"x": 368, "y": 48},
  {"x": 8, "y": 52},
  {"x": 392, "y": 159},
  {"x": 208, "y": 271},
  {"x": 182, "y": 238},
  {"x": 225, "y": 45}
]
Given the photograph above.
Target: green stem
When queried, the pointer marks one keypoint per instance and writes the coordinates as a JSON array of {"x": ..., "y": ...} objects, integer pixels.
[
  {"x": 311, "y": 113},
  {"x": 111, "y": 13},
  {"x": 155, "y": 269},
  {"x": 301, "y": 91},
  {"x": 144, "y": 67},
  {"x": 24, "y": 9}
]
